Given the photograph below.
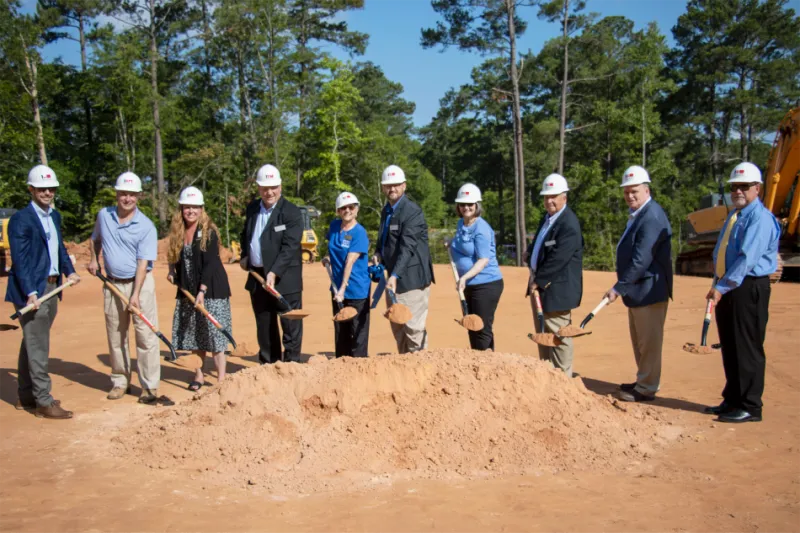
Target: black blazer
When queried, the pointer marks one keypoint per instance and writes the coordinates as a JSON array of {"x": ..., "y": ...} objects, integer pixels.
[
  {"x": 207, "y": 268},
  {"x": 406, "y": 251},
  {"x": 644, "y": 259},
  {"x": 280, "y": 245},
  {"x": 559, "y": 267}
]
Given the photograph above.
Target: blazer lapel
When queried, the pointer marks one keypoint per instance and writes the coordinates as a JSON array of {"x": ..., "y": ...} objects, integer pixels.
[{"x": 38, "y": 222}]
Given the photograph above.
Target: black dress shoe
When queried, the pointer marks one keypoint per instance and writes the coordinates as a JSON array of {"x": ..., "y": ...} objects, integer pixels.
[
  {"x": 627, "y": 387},
  {"x": 634, "y": 396},
  {"x": 736, "y": 416}
]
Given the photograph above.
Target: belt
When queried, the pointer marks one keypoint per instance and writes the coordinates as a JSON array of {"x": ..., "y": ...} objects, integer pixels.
[
  {"x": 120, "y": 280},
  {"x": 52, "y": 279}
]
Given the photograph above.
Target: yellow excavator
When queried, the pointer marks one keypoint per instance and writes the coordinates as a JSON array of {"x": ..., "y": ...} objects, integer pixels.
[
  {"x": 781, "y": 195},
  {"x": 5, "y": 249}
]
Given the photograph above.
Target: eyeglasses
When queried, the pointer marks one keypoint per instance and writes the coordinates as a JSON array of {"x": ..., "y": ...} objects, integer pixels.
[
  {"x": 47, "y": 189},
  {"x": 351, "y": 207},
  {"x": 465, "y": 205},
  {"x": 742, "y": 186}
]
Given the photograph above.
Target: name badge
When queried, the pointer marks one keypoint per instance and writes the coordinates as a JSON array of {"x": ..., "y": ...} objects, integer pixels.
[
  {"x": 282, "y": 227},
  {"x": 394, "y": 227},
  {"x": 345, "y": 244},
  {"x": 549, "y": 243}
]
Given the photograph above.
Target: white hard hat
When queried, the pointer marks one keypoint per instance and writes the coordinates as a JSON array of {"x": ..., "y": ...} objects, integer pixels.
[
  {"x": 635, "y": 175},
  {"x": 392, "y": 175},
  {"x": 346, "y": 198},
  {"x": 554, "y": 184},
  {"x": 469, "y": 193},
  {"x": 745, "y": 173},
  {"x": 268, "y": 176},
  {"x": 128, "y": 181},
  {"x": 191, "y": 196},
  {"x": 42, "y": 176}
]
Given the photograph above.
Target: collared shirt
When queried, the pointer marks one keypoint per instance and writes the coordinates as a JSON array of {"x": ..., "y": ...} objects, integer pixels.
[
  {"x": 548, "y": 223},
  {"x": 342, "y": 243},
  {"x": 390, "y": 209},
  {"x": 125, "y": 244},
  {"x": 51, "y": 234},
  {"x": 752, "y": 246},
  {"x": 631, "y": 217},
  {"x": 255, "y": 241}
]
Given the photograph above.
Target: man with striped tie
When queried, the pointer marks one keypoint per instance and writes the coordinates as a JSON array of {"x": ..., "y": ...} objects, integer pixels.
[{"x": 745, "y": 255}]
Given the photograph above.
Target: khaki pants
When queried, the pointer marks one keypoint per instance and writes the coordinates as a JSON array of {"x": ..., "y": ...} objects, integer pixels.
[
  {"x": 412, "y": 336},
  {"x": 647, "y": 336},
  {"x": 118, "y": 320},
  {"x": 559, "y": 356}
]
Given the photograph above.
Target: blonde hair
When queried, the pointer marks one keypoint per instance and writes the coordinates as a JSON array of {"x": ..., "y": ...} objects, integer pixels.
[{"x": 177, "y": 229}]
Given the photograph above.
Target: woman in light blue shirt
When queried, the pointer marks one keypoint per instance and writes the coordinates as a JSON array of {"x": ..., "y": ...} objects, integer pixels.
[{"x": 474, "y": 252}]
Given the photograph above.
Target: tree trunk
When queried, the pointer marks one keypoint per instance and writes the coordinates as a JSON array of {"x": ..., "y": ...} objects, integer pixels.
[
  {"x": 159, "y": 155},
  {"x": 562, "y": 128},
  {"x": 644, "y": 139},
  {"x": 87, "y": 106},
  {"x": 33, "y": 92},
  {"x": 743, "y": 137},
  {"x": 519, "y": 166},
  {"x": 301, "y": 115}
]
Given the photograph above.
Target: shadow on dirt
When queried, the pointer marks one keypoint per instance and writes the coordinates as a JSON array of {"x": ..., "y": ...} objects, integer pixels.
[{"x": 604, "y": 387}]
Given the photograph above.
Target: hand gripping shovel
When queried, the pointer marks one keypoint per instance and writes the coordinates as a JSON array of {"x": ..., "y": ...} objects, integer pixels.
[
  {"x": 543, "y": 338},
  {"x": 290, "y": 314},
  {"x": 209, "y": 316},
  {"x": 46, "y": 297},
  {"x": 468, "y": 321},
  {"x": 703, "y": 348},
  {"x": 345, "y": 313},
  {"x": 173, "y": 356}
]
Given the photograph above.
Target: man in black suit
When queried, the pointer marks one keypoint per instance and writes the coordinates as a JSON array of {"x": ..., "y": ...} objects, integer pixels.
[
  {"x": 270, "y": 240},
  {"x": 403, "y": 250},
  {"x": 644, "y": 280},
  {"x": 556, "y": 260}
]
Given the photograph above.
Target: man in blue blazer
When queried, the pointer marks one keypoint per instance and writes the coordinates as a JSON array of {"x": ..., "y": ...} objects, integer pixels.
[
  {"x": 39, "y": 259},
  {"x": 644, "y": 280}
]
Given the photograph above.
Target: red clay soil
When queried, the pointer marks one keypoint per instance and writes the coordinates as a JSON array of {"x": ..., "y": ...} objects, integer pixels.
[{"x": 444, "y": 440}]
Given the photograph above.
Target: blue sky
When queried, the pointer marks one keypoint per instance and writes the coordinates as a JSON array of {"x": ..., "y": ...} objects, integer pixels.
[{"x": 394, "y": 35}]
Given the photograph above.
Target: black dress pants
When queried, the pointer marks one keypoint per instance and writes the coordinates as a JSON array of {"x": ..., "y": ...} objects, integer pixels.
[
  {"x": 352, "y": 337},
  {"x": 482, "y": 300},
  {"x": 265, "y": 308},
  {"x": 742, "y": 316}
]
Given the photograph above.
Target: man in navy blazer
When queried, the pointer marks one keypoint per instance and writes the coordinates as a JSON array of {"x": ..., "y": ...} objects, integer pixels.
[
  {"x": 39, "y": 259},
  {"x": 644, "y": 280}
]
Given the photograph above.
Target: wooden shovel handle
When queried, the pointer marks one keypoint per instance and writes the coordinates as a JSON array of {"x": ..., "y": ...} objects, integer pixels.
[
  {"x": 44, "y": 298},
  {"x": 122, "y": 297},
  {"x": 201, "y": 308}
]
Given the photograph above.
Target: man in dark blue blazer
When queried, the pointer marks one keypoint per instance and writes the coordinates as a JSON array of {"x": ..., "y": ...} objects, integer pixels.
[
  {"x": 644, "y": 280},
  {"x": 39, "y": 259}
]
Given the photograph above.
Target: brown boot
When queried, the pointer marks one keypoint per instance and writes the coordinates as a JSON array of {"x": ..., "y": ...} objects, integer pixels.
[
  {"x": 30, "y": 406},
  {"x": 117, "y": 393},
  {"x": 54, "y": 410},
  {"x": 149, "y": 396}
]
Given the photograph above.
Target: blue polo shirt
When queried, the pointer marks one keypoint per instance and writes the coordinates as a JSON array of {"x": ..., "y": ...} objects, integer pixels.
[
  {"x": 472, "y": 243},
  {"x": 124, "y": 244},
  {"x": 341, "y": 243}
]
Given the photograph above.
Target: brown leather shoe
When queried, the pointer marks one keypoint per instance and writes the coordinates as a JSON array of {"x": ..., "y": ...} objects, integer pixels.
[
  {"x": 54, "y": 410},
  {"x": 118, "y": 392}
]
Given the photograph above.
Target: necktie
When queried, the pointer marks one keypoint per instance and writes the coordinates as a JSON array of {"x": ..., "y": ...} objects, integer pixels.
[{"x": 719, "y": 268}]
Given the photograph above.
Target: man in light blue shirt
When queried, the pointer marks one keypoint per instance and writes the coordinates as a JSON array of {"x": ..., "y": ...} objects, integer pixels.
[
  {"x": 262, "y": 220},
  {"x": 50, "y": 234},
  {"x": 745, "y": 255},
  {"x": 129, "y": 244}
]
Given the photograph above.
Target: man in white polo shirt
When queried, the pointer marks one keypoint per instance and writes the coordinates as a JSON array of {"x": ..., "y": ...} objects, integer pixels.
[{"x": 129, "y": 243}]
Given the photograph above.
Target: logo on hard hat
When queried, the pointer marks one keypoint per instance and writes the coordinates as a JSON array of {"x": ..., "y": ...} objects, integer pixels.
[
  {"x": 630, "y": 175},
  {"x": 740, "y": 171},
  {"x": 391, "y": 173},
  {"x": 550, "y": 184},
  {"x": 128, "y": 180},
  {"x": 47, "y": 176},
  {"x": 466, "y": 193}
]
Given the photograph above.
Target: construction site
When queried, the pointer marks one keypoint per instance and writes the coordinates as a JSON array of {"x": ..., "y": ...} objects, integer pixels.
[{"x": 444, "y": 440}]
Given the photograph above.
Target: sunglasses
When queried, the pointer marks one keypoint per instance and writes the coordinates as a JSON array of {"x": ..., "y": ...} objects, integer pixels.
[
  {"x": 466, "y": 205},
  {"x": 351, "y": 207},
  {"x": 47, "y": 189},
  {"x": 742, "y": 186}
]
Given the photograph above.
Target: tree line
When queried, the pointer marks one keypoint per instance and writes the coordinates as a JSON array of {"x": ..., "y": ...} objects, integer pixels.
[{"x": 202, "y": 92}]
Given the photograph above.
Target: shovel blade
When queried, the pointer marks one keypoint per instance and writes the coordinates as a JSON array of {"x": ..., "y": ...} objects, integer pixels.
[
  {"x": 295, "y": 314},
  {"x": 545, "y": 339},
  {"x": 573, "y": 331}
]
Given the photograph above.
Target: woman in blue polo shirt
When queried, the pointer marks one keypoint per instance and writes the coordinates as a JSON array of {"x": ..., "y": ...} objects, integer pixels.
[
  {"x": 474, "y": 252},
  {"x": 348, "y": 246}
]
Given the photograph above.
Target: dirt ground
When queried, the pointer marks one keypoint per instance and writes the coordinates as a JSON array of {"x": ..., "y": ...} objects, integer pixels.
[{"x": 83, "y": 475}]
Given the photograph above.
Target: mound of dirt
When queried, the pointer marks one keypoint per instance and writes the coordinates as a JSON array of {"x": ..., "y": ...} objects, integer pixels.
[{"x": 349, "y": 423}]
